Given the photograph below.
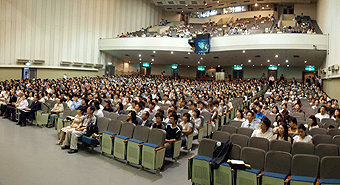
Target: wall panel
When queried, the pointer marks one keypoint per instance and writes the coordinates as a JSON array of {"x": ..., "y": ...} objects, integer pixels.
[{"x": 56, "y": 30}]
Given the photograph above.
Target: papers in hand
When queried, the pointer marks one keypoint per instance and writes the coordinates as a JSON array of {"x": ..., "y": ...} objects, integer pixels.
[
  {"x": 71, "y": 117},
  {"x": 238, "y": 162}
]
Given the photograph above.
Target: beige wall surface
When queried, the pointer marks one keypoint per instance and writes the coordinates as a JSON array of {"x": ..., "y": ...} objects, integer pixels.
[
  {"x": 10, "y": 73},
  {"x": 306, "y": 9},
  {"x": 331, "y": 87}
]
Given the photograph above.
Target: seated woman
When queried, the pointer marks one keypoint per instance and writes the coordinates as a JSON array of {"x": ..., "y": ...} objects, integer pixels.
[
  {"x": 75, "y": 124},
  {"x": 302, "y": 137},
  {"x": 197, "y": 120},
  {"x": 107, "y": 106},
  {"x": 119, "y": 108},
  {"x": 264, "y": 131},
  {"x": 132, "y": 117},
  {"x": 239, "y": 115},
  {"x": 187, "y": 127},
  {"x": 293, "y": 126},
  {"x": 159, "y": 122},
  {"x": 58, "y": 107},
  {"x": 275, "y": 111},
  {"x": 314, "y": 123},
  {"x": 282, "y": 134},
  {"x": 98, "y": 112}
]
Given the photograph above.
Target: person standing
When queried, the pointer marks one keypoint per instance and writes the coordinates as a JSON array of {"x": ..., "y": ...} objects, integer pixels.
[
  {"x": 65, "y": 76},
  {"x": 271, "y": 80}
]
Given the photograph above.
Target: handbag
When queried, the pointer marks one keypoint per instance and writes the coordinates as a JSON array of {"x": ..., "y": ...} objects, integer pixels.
[{"x": 91, "y": 130}]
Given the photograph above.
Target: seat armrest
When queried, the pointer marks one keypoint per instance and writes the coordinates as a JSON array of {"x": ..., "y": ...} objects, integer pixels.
[
  {"x": 100, "y": 132},
  {"x": 159, "y": 148},
  {"x": 126, "y": 140},
  {"x": 113, "y": 136},
  {"x": 192, "y": 157},
  {"x": 318, "y": 181},
  {"x": 287, "y": 180},
  {"x": 200, "y": 128},
  {"x": 260, "y": 175},
  {"x": 175, "y": 140},
  {"x": 141, "y": 144}
]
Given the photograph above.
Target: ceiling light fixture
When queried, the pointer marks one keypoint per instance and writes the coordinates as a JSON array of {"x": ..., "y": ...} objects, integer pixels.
[
  {"x": 286, "y": 61},
  {"x": 276, "y": 56},
  {"x": 249, "y": 60},
  {"x": 182, "y": 10},
  {"x": 198, "y": 62},
  {"x": 188, "y": 53},
  {"x": 268, "y": 60},
  {"x": 305, "y": 61},
  {"x": 140, "y": 55},
  {"x": 241, "y": 64},
  {"x": 172, "y": 52},
  {"x": 201, "y": 58},
  {"x": 278, "y": 64},
  {"x": 267, "y": 5},
  {"x": 188, "y": 66},
  {"x": 261, "y": 64},
  {"x": 255, "y": 4},
  {"x": 244, "y": 51},
  {"x": 154, "y": 51},
  {"x": 140, "y": 62},
  {"x": 253, "y": 65},
  {"x": 152, "y": 60},
  {"x": 218, "y": 1},
  {"x": 288, "y": 65},
  {"x": 151, "y": 63},
  {"x": 187, "y": 5},
  {"x": 140, "y": 58},
  {"x": 262, "y": 8}
]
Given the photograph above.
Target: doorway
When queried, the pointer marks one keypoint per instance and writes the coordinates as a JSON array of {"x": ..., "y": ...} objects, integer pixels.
[
  {"x": 28, "y": 73},
  {"x": 238, "y": 74},
  {"x": 145, "y": 70},
  {"x": 274, "y": 73},
  {"x": 306, "y": 74},
  {"x": 110, "y": 70}
]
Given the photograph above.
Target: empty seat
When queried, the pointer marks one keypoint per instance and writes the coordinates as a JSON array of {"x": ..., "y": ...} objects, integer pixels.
[
  {"x": 140, "y": 136},
  {"x": 255, "y": 157},
  {"x": 119, "y": 147},
  {"x": 221, "y": 136},
  {"x": 237, "y": 124},
  {"x": 317, "y": 139},
  {"x": 315, "y": 131},
  {"x": 259, "y": 142},
  {"x": 280, "y": 145},
  {"x": 333, "y": 132},
  {"x": 336, "y": 140},
  {"x": 276, "y": 167},
  {"x": 198, "y": 166},
  {"x": 304, "y": 168},
  {"x": 239, "y": 139},
  {"x": 322, "y": 150},
  {"x": 329, "y": 170},
  {"x": 329, "y": 123},
  {"x": 108, "y": 136},
  {"x": 112, "y": 115},
  {"x": 229, "y": 128},
  {"x": 303, "y": 148},
  {"x": 122, "y": 117},
  {"x": 245, "y": 131}
]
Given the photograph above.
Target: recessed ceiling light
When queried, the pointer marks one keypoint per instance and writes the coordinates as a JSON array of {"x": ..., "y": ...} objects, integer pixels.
[
  {"x": 172, "y": 52},
  {"x": 255, "y": 4},
  {"x": 152, "y": 60},
  {"x": 182, "y": 10},
  {"x": 218, "y": 1},
  {"x": 201, "y": 58},
  {"x": 180, "y": 64},
  {"x": 253, "y": 65},
  {"x": 276, "y": 56},
  {"x": 140, "y": 55},
  {"x": 188, "y": 66},
  {"x": 151, "y": 63},
  {"x": 261, "y": 64},
  {"x": 219, "y": 66},
  {"x": 249, "y": 60},
  {"x": 262, "y": 8},
  {"x": 241, "y": 64},
  {"x": 268, "y": 60},
  {"x": 140, "y": 58},
  {"x": 211, "y": 67},
  {"x": 278, "y": 64},
  {"x": 244, "y": 51},
  {"x": 198, "y": 62},
  {"x": 305, "y": 61},
  {"x": 188, "y": 53},
  {"x": 288, "y": 65},
  {"x": 154, "y": 51},
  {"x": 286, "y": 61},
  {"x": 187, "y": 5},
  {"x": 197, "y": 12},
  {"x": 140, "y": 62},
  {"x": 267, "y": 5},
  {"x": 129, "y": 61}
]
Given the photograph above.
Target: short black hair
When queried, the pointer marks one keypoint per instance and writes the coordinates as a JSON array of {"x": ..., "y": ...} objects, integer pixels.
[
  {"x": 266, "y": 121},
  {"x": 174, "y": 116},
  {"x": 92, "y": 108},
  {"x": 252, "y": 113},
  {"x": 147, "y": 113},
  {"x": 301, "y": 126}
]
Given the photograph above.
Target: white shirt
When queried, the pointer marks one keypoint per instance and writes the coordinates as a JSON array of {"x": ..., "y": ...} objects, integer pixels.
[
  {"x": 305, "y": 140},
  {"x": 99, "y": 113},
  {"x": 268, "y": 134},
  {"x": 23, "y": 104},
  {"x": 318, "y": 115}
]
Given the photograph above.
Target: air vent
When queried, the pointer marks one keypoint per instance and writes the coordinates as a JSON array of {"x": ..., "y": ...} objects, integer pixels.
[
  {"x": 194, "y": 2},
  {"x": 182, "y": 2},
  {"x": 127, "y": 55},
  {"x": 257, "y": 56},
  {"x": 186, "y": 57},
  {"x": 179, "y": 8},
  {"x": 190, "y": 8},
  {"x": 152, "y": 55},
  {"x": 220, "y": 4},
  {"x": 216, "y": 58},
  {"x": 171, "y": 2},
  {"x": 209, "y": 6},
  {"x": 259, "y": 0},
  {"x": 160, "y": 3},
  {"x": 169, "y": 8},
  {"x": 233, "y": 2},
  {"x": 296, "y": 56},
  {"x": 201, "y": 8},
  {"x": 246, "y": 1}
]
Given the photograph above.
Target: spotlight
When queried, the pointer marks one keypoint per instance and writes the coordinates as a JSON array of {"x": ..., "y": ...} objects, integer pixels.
[
  {"x": 305, "y": 61},
  {"x": 287, "y": 65},
  {"x": 140, "y": 58},
  {"x": 198, "y": 62},
  {"x": 255, "y": 4},
  {"x": 152, "y": 60}
]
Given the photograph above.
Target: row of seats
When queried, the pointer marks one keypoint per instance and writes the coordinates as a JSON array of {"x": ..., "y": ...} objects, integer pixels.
[{"x": 272, "y": 167}]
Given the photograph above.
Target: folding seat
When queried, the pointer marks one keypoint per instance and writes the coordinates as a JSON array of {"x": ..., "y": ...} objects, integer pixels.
[
  {"x": 221, "y": 136},
  {"x": 303, "y": 148},
  {"x": 318, "y": 138},
  {"x": 336, "y": 140},
  {"x": 338, "y": 121},
  {"x": 229, "y": 128},
  {"x": 202, "y": 130},
  {"x": 41, "y": 116},
  {"x": 199, "y": 169},
  {"x": 224, "y": 175},
  {"x": 259, "y": 142},
  {"x": 153, "y": 152},
  {"x": 106, "y": 113},
  {"x": 235, "y": 123},
  {"x": 276, "y": 167},
  {"x": 298, "y": 115},
  {"x": 119, "y": 146},
  {"x": 240, "y": 140},
  {"x": 304, "y": 169},
  {"x": 68, "y": 122},
  {"x": 255, "y": 157},
  {"x": 333, "y": 132},
  {"x": 134, "y": 146},
  {"x": 322, "y": 150},
  {"x": 329, "y": 123},
  {"x": 122, "y": 117},
  {"x": 112, "y": 115},
  {"x": 329, "y": 170},
  {"x": 280, "y": 145},
  {"x": 107, "y": 137},
  {"x": 102, "y": 124},
  {"x": 207, "y": 119},
  {"x": 245, "y": 131},
  {"x": 60, "y": 120},
  {"x": 315, "y": 131},
  {"x": 190, "y": 138}
]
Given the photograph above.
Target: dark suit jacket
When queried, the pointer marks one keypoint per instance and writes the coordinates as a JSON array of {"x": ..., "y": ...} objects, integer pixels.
[
  {"x": 12, "y": 99},
  {"x": 148, "y": 123},
  {"x": 35, "y": 106}
]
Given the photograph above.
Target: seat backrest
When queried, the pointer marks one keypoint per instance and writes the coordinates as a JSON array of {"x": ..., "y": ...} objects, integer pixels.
[
  {"x": 206, "y": 147},
  {"x": 333, "y": 132},
  {"x": 229, "y": 128},
  {"x": 102, "y": 124},
  {"x": 122, "y": 117},
  {"x": 127, "y": 129},
  {"x": 298, "y": 114},
  {"x": 114, "y": 126},
  {"x": 157, "y": 137},
  {"x": 315, "y": 131},
  {"x": 141, "y": 133},
  {"x": 245, "y": 131},
  {"x": 336, "y": 140},
  {"x": 74, "y": 113},
  {"x": 67, "y": 112},
  {"x": 325, "y": 120},
  {"x": 44, "y": 107},
  {"x": 329, "y": 167},
  {"x": 259, "y": 142},
  {"x": 239, "y": 139},
  {"x": 322, "y": 150},
  {"x": 235, "y": 152},
  {"x": 106, "y": 113},
  {"x": 221, "y": 136},
  {"x": 303, "y": 148},
  {"x": 305, "y": 165},
  {"x": 318, "y": 139},
  {"x": 206, "y": 115},
  {"x": 253, "y": 156},
  {"x": 329, "y": 123},
  {"x": 280, "y": 145},
  {"x": 112, "y": 115},
  {"x": 278, "y": 162},
  {"x": 235, "y": 123}
]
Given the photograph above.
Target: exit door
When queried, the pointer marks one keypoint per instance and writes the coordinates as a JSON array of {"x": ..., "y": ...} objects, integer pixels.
[
  {"x": 238, "y": 74},
  {"x": 145, "y": 70},
  {"x": 110, "y": 70},
  {"x": 274, "y": 73}
]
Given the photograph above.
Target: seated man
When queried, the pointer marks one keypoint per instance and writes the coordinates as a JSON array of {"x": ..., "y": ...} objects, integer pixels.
[
  {"x": 251, "y": 122},
  {"x": 10, "y": 109},
  {"x": 29, "y": 112},
  {"x": 173, "y": 132},
  {"x": 145, "y": 121},
  {"x": 322, "y": 113},
  {"x": 87, "y": 127}
]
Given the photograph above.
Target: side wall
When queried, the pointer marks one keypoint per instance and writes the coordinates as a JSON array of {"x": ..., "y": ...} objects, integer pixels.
[{"x": 306, "y": 9}]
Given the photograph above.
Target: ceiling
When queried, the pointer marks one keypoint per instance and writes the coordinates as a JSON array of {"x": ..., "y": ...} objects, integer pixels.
[
  {"x": 226, "y": 58},
  {"x": 202, "y": 5}
]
